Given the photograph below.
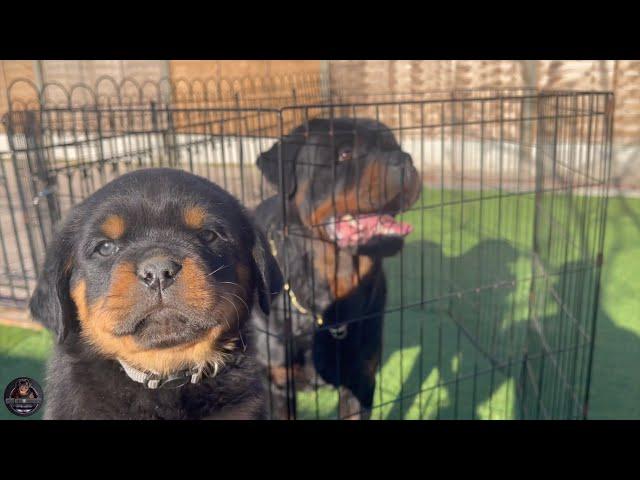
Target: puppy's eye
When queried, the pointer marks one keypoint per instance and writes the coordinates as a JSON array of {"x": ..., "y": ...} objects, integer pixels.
[
  {"x": 107, "y": 248},
  {"x": 207, "y": 236},
  {"x": 345, "y": 154}
]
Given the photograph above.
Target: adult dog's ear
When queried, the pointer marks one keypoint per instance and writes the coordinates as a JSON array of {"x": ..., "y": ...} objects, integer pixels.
[
  {"x": 51, "y": 303},
  {"x": 269, "y": 162},
  {"x": 269, "y": 276}
]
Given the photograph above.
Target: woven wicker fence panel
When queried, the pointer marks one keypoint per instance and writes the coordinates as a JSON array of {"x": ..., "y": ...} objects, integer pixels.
[
  {"x": 406, "y": 79},
  {"x": 13, "y": 70},
  {"x": 626, "y": 173},
  {"x": 575, "y": 74},
  {"x": 375, "y": 80},
  {"x": 240, "y": 68},
  {"x": 627, "y": 90},
  {"x": 71, "y": 72},
  {"x": 487, "y": 73},
  {"x": 402, "y": 76}
]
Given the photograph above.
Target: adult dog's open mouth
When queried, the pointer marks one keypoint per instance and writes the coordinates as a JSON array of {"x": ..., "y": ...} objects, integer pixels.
[{"x": 353, "y": 230}]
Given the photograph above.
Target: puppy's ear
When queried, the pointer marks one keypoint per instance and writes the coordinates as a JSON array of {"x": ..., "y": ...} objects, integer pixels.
[
  {"x": 268, "y": 272},
  {"x": 269, "y": 162},
  {"x": 51, "y": 303}
]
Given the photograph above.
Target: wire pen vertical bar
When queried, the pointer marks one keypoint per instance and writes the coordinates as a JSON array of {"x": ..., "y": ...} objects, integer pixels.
[
  {"x": 609, "y": 115},
  {"x": 288, "y": 331}
]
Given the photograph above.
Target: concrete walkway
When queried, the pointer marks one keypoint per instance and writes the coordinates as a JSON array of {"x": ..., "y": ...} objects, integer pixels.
[{"x": 18, "y": 317}]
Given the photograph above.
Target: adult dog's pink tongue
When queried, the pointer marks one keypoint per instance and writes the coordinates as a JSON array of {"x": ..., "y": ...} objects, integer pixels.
[{"x": 350, "y": 231}]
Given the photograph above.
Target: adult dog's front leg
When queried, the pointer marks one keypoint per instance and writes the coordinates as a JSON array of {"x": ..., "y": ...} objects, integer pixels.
[{"x": 349, "y": 407}]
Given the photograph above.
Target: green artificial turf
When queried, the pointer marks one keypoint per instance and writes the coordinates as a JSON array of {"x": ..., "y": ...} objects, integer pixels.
[{"x": 467, "y": 275}]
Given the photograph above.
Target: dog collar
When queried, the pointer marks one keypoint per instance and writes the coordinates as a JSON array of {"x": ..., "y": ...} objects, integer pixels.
[
  {"x": 154, "y": 380},
  {"x": 339, "y": 333}
]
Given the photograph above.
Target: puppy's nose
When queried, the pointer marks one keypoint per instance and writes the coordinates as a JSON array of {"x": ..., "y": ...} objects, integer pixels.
[{"x": 158, "y": 272}]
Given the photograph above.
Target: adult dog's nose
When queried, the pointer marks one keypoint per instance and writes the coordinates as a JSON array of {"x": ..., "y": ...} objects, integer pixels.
[
  {"x": 158, "y": 272},
  {"x": 400, "y": 159},
  {"x": 400, "y": 171}
]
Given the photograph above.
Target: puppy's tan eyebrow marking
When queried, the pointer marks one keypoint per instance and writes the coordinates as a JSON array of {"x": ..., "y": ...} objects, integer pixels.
[
  {"x": 194, "y": 217},
  {"x": 113, "y": 227}
]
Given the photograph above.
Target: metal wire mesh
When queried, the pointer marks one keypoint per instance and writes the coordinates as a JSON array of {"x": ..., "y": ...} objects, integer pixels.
[{"x": 491, "y": 303}]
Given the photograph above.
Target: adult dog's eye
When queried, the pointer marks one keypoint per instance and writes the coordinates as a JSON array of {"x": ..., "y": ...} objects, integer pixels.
[
  {"x": 345, "y": 154},
  {"x": 207, "y": 236},
  {"x": 107, "y": 248}
]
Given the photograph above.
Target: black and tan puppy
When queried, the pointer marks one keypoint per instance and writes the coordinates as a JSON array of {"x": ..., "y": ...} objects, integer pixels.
[
  {"x": 342, "y": 182},
  {"x": 148, "y": 286}
]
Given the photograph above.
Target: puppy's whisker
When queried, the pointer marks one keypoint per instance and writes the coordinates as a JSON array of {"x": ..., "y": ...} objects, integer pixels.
[
  {"x": 241, "y": 299},
  {"x": 217, "y": 270},
  {"x": 110, "y": 297},
  {"x": 244, "y": 345},
  {"x": 236, "y": 284},
  {"x": 117, "y": 309},
  {"x": 234, "y": 307},
  {"x": 224, "y": 316}
]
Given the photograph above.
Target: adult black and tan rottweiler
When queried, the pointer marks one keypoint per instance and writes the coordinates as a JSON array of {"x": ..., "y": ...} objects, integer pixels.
[
  {"x": 148, "y": 285},
  {"x": 342, "y": 181}
]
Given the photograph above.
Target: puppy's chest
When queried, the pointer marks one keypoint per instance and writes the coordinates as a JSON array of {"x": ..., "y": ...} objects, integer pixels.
[
  {"x": 188, "y": 402},
  {"x": 109, "y": 393}
]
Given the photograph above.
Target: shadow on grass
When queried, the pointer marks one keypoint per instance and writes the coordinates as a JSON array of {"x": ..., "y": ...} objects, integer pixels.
[
  {"x": 615, "y": 391},
  {"x": 438, "y": 356},
  {"x": 488, "y": 352}
]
